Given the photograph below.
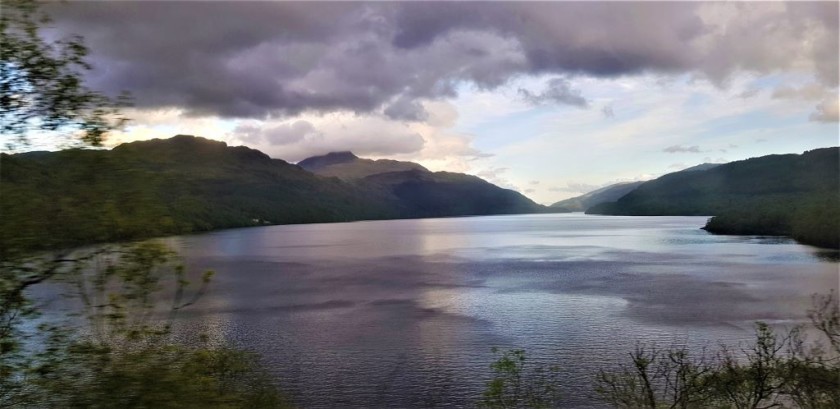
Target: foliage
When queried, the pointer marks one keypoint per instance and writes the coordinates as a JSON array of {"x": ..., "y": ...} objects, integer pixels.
[
  {"x": 516, "y": 385},
  {"x": 116, "y": 350},
  {"x": 775, "y": 371},
  {"x": 656, "y": 378},
  {"x": 42, "y": 87},
  {"x": 124, "y": 356}
]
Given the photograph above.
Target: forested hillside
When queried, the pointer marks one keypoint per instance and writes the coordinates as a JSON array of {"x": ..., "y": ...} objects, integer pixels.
[
  {"x": 605, "y": 194},
  {"x": 188, "y": 184},
  {"x": 424, "y": 193},
  {"x": 797, "y": 195}
]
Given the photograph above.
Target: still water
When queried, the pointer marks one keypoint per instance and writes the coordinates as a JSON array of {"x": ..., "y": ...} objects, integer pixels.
[{"x": 404, "y": 313}]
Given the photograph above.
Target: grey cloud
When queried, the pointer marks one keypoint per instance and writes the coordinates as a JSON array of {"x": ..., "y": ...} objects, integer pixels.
[
  {"x": 404, "y": 109},
  {"x": 282, "y": 134},
  {"x": 608, "y": 112},
  {"x": 559, "y": 91},
  {"x": 749, "y": 93},
  {"x": 682, "y": 149},
  {"x": 276, "y": 59}
]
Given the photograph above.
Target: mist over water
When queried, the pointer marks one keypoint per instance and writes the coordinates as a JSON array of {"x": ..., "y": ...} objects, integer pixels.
[{"x": 403, "y": 313}]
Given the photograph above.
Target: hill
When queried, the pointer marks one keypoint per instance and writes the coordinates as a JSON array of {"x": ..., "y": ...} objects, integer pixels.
[
  {"x": 187, "y": 184},
  {"x": 605, "y": 194},
  {"x": 422, "y": 192},
  {"x": 794, "y": 195},
  {"x": 347, "y": 166},
  {"x": 609, "y": 193}
]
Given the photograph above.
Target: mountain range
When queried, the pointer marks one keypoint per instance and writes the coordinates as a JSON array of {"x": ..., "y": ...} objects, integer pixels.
[{"x": 188, "y": 184}]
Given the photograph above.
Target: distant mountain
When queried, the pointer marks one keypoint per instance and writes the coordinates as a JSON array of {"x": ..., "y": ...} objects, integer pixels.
[
  {"x": 702, "y": 166},
  {"x": 424, "y": 193},
  {"x": 188, "y": 184},
  {"x": 797, "y": 195},
  {"x": 347, "y": 166},
  {"x": 610, "y": 193},
  {"x": 605, "y": 194}
]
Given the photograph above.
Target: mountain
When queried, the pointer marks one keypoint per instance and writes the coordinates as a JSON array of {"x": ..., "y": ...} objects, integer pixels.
[
  {"x": 422, "y": 192},
  {"x": 609, "y": 193},
  {"x": 605, "y": 194},
  {"x": 347, "y": 166},
  {"x": 794, "y": 195},
  {"x": 702, "y": 166},
  {"x": 188, "y": 184}
]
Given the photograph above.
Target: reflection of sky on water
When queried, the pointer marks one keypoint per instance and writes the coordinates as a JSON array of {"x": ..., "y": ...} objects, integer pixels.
[{"x": 404, "y": 313}]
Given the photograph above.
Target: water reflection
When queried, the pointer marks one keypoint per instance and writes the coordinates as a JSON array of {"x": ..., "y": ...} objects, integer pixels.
[{"x": 404, "y": 313}]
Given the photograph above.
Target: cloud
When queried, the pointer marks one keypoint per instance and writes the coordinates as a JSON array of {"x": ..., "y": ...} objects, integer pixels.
[
  {"x": 810, "y": 92},
  {"x": 827, "y": 111},
  {"x": 405, "y": 109},
  {"x": 682, "y": 149},
  {"x": 608, "y": 112},
  {"x": 559, "y": 91},
  {"x": 576, "y": 187},
  {"x": 494, "y": 176},
  {"x": 316, "y": 135},
  {"x": 282, "y": 134},
  {"x": 283, "y": 59}
]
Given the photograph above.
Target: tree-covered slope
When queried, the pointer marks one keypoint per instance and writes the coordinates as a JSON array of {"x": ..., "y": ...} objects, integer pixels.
[
  {"x": 792, "y": 194},
  {"x": 434, "y": 194},
  {"x": 178, "y": 185},
  {"x": 422, "y": 192},
  {"x": 603, "y": 195},
  {"x": 347, "y": 166},
  {"x": 187, "y": 184}
]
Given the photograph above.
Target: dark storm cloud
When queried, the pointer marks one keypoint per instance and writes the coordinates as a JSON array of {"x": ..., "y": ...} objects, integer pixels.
[{"x": 258, "y": 59}]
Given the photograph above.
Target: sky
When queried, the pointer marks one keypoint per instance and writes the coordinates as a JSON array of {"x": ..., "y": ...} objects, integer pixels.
[{"x": 551, "y": 99}]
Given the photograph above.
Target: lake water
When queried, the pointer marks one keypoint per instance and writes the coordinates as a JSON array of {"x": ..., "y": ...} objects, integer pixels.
[{"x": 404, "y": 313}]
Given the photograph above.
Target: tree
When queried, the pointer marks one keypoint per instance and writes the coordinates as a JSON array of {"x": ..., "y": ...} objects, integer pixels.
[
  {"x": 41, "y": 90},
  {"x": 517, "y": 385},
  {"x": 774, "y": 371},
  {"x": 124, "y": 357},
  {"x": 41, "y": 82}
]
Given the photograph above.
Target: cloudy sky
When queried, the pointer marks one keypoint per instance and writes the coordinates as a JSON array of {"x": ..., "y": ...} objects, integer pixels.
[{"x": 551, "y": 99}]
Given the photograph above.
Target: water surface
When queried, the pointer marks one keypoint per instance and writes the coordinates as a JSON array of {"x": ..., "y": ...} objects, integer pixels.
[{"x": 403, "y": 313}]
